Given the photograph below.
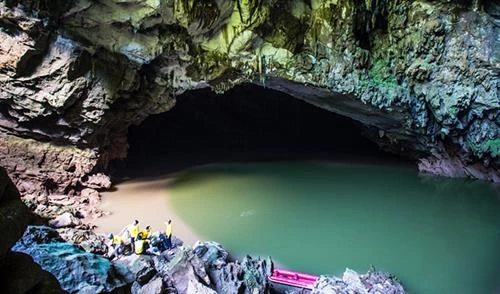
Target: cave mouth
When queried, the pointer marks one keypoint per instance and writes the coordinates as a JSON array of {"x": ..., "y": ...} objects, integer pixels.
[{"x": 246, "y": 123}]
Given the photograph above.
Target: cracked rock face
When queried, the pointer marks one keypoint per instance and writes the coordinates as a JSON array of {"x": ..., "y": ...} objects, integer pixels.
[
  {"x": 421, "y": 76},
  {"x": 20, "y": 273}
]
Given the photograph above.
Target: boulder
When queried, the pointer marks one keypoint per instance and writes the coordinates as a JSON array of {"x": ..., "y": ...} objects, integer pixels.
[
  {"x": 143, "y": 269},
  {"x": 14, "y": 215},
  {"x": 90, "y": 196},
  {"x": 176, "y": 242},
  {"x": 75, "y": 269},
  {"x": 182, "y": 267},
  {"x": 328, "y": 285},
  {"x": 211, "y": 253},
  {"x": 64, "y": 220},
  {"x": 248, "y": 276},
  {"x": 155, "y": 286},
  {"x": 97, "y": 181},
  {"x": 197, "y": 287},
  {"x": 23, "y": 275},
  {"x": 134, "y": 289},
  {"x": 352, "y": 282},
  {"x": 85, "y": 238}
]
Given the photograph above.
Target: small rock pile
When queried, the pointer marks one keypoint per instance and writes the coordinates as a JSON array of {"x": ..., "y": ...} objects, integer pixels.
[
  {"x": 352, "y": 282},
  {"x": 204, "y": 269},
  {"x": 71, "y": 216},
  {"x": 66, "y": 210}
]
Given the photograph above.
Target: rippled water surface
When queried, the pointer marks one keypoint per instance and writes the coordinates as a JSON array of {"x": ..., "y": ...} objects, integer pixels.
[{"x": 438, "y": 235}]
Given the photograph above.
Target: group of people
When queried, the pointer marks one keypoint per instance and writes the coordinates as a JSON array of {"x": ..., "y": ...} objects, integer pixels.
[{"x": 139, "y": 241}]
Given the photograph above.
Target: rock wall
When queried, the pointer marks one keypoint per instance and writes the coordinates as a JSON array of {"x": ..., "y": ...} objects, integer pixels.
[
  {"x": 44, "y": 166},
  {"x": 422, "y": 76},
  {"x": 20, "y": 274}
]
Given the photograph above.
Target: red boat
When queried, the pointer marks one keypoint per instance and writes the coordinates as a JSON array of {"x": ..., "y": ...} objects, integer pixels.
[{"x": 294, "y": 279}]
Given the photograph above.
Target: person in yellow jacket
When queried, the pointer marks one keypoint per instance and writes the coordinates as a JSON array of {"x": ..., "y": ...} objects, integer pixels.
[
  {"x": 140, "y": 245},
  {"x": 146, "y": 233},
  {"x": 116, "y": 246},
  {"x": 168, "y": 234},
  {"x": 133, "y": 231},
  {"x": 117, "y": 240}
]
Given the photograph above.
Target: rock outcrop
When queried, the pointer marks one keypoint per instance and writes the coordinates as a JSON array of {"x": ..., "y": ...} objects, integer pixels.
[
  {"x": 421, "y": 76},
  {"x": 15, "y": 215},
  {"x": 352, "y": 282},
  {"x": 206, "y": 268},
  {"x": 248, "y": 276},
  {"x": 75, "y": 269},
  {"x": 20, "y": 274}
]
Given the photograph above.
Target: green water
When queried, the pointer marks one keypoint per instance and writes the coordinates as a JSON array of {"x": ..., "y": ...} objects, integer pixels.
[{"x": 437, "y": 235}]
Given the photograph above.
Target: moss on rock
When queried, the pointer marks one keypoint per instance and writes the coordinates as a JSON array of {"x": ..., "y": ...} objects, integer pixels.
[{"x": 432, "y": 65}]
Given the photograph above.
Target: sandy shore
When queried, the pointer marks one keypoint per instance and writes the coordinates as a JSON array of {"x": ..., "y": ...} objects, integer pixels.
[{"x": 146, "y": 200}]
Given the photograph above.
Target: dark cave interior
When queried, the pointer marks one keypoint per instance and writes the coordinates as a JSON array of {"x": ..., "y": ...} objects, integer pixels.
[{"x": 247, "y": 123}]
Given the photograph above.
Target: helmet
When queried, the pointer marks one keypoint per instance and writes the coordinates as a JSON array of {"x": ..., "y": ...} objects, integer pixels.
[{"x": 110, "y": 236}]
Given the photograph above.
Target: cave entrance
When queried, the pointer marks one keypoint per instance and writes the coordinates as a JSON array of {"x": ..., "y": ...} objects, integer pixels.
[{"x": 247, "y": 123}]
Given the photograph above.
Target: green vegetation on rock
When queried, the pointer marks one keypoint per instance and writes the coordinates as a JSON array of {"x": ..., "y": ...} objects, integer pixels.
[
  {"x": 431, "y": 64},
  {"x": 490, "y": 147}
]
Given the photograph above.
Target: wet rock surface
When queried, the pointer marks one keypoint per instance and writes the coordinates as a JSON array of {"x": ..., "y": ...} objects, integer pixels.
[{"x": 75, "y": 269}]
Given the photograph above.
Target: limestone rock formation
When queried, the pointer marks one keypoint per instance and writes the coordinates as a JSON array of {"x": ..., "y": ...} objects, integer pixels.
[
  {"x": 143, "y": 269},
  {"x": 18, "y": 271},
  {"x": 421, "y": 76},
  {"x": 186, "y": 270},
  {"x": 89, "y": 273},
  {"x": 211, "y": 253},
  {"x": 155, "y": 286},
  {"x": 15, "y": 215},
  {"x": 247, "y": 276},
  {"x": 204, "y": 269},
  {"x": 352, "y": 282},
  {"x": 22, "y": 275}
]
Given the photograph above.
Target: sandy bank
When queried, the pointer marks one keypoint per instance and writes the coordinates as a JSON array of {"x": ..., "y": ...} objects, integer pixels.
[{"x": 146, "y": 200}]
